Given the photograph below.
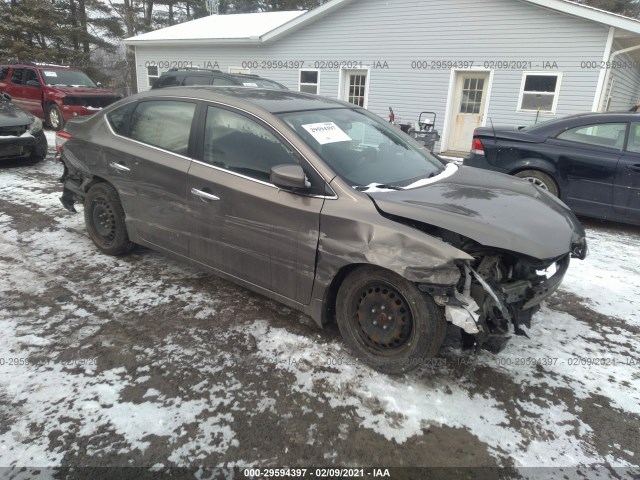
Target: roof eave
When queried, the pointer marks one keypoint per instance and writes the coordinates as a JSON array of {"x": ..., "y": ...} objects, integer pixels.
[
  {"x": 193, "y": 41},
  {"x": 589, "y": 13},
  {"x": 309, "y": 17}
]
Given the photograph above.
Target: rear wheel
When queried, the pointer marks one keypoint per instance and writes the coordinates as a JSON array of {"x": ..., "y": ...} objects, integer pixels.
[
  {"x": 54, "y": 117},
  {"x": 540, "y": 179},
  {"x": 104, "y": 217},
  {"x": 387, "y": 322}
]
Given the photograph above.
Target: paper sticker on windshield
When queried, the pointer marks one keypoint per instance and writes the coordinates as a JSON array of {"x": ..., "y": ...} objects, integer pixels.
[
  {"x": 50, "y": 74},
  {"x": 327, "y": 132},
  {"x": 250, "y": 84}
]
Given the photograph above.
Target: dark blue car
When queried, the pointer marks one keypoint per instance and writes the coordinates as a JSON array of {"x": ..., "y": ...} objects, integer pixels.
[{"x": 591, "y": 161}]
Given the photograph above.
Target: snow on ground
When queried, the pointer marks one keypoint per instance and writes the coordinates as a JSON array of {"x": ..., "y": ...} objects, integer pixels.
[{"x": 561, "y": 398}]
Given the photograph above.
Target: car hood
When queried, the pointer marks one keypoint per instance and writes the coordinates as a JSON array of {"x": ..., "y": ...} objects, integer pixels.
[
  {"x": 85, "y": 91},
  {"x": 12, "y": 116},
  {"x": 493, "y": 209}
]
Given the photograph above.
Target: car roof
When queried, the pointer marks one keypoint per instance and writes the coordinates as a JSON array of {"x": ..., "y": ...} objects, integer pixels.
[
  {"x": 581, "y": 118},
  {"x": 38, "y": 65},
  {"x": 273, "y": 101}
]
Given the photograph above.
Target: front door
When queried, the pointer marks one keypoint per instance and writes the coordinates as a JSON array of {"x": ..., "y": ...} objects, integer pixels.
[
  {"x": 468, "y": 109},
  {"x": 355, "y": 87},
  {"x": 240, "y": 223},
  {"x": 626, "y": 194}
]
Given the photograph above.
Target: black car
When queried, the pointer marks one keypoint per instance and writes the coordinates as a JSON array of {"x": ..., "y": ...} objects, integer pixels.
[
  {"x": 591, "y": 161},
  {"x": 21, "y": 135},
  {"x": 184, "y": 77}
]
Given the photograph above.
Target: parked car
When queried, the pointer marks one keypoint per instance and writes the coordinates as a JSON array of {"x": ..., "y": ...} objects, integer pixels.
[
  {"x": 181, "y": 77},
  {"x": 54, "y": 93},
  {"x": 21, "y": 135},
  {"x": 324, "y": 207},
  {"x": 591, "y": 161}
]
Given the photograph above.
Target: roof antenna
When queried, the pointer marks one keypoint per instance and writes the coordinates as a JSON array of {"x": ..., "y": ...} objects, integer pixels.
[{"x": 494, "y": 129}]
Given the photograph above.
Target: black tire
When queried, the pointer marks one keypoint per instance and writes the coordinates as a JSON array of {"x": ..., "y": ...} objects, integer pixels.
[
  {"x": 541, "y": 179},
  {"x": 54, "y": 117},
  {"x": 415, "y": 334},
  {"x": 40, "y": 151},
  {"x": 104, "y": 218}
]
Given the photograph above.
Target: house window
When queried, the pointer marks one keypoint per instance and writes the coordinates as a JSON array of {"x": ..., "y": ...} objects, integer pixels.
[
  {"x": 472, "y": 91},
  {"x": 539, "y": 92},
  {"x": 152, "y": 74},
  {"x": 357, "y": 86},
  {"x": 309, "y": 81}
]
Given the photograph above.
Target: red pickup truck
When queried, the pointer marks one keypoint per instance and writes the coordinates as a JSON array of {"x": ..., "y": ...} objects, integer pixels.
[{"x": 54, "y": 93}]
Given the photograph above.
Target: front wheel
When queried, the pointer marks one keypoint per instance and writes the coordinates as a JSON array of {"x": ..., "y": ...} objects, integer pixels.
[
  {"x": 54, "y": 117},
  {"x": 540, "y": 179},
  {"x": 387, "y": 322},
  {"x": 104, "y": 218}
]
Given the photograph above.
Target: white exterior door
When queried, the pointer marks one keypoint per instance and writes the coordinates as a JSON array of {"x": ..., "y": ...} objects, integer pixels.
[
  {"x": 468, "y": 108},
  {"x": 355, "y": 87}
]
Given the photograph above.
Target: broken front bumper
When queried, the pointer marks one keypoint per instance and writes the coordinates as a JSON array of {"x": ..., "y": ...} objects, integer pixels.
[{"x": 486, "y": 310}]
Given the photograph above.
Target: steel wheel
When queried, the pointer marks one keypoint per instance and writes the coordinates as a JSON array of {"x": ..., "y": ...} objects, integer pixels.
[
  {"x": 384, "y": 318},
  {"x": 386, "y": 321},
  {"x": 105, "y": 220}
]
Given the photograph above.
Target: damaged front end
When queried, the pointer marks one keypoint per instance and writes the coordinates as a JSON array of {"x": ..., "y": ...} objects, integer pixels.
[{"x": 498, "y": 292}]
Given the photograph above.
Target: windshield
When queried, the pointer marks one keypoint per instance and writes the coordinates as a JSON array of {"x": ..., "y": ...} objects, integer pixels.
[
  {"x": 362, "y": 148},
  {"x": 69, "y": 78}
]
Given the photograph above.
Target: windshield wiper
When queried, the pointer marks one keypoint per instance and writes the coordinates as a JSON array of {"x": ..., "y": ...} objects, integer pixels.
[{"x": 364, "y": 188}]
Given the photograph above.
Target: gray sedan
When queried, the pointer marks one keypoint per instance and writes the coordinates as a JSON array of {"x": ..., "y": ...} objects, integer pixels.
[{"x": 326, "y": 208}]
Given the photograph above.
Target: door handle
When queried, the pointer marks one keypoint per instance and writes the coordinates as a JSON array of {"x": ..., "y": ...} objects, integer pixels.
[
  {"x": 635, "y": 168},
  {"x": 119, "y": 167},
  {"x": 204, "y": 195}
]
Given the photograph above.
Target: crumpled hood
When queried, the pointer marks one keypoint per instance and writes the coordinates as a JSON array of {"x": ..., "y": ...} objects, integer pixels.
[
  {"x": 12, "y": 116},
  {"x": 84, "y": 91},
  {"x": 493, "y": 209}
]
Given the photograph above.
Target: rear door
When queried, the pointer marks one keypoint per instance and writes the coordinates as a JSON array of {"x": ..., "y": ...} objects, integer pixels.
[
  {"x": 626, "y": 192},
  {"x": 148, "y": 163},
  {"x": 242, "y": 224},
  {"x": 32, "y": 92},
  {"x": 14, "y": 87},
  {"x": 587, "y": 163}
]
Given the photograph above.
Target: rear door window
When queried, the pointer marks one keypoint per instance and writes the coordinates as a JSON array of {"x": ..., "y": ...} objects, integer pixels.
[
  {"x": 17, "y": 76},
  {"x": 164, "y": 124},
  {"x": 610, "y": 135}
]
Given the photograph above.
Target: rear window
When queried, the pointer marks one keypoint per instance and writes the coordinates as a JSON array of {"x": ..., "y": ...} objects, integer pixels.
[
  {"x": 197, "y": 80},
  {"x": 3, "y": 72}
]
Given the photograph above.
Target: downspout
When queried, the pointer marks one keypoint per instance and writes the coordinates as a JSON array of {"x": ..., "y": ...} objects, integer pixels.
[
  {"x": 603, "y": 78},
  {"x": 607, "y": 77}
]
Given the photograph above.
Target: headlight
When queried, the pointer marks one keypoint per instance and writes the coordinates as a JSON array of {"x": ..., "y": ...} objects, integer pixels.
[{"x": 35, "y": 126}]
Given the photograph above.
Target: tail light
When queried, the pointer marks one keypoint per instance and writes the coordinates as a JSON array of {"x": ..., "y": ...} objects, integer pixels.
[
  {"x": 476, "y": 146},
  {"x": 61, "y": 139}
]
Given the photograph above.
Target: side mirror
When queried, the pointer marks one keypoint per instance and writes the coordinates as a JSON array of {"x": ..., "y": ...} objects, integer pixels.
[
  {"x": 5, "y": 96},
  {"x": 98, "y": 84},
  {"x": 33, "y": 83},
  {"x": 289, "y": 177}
]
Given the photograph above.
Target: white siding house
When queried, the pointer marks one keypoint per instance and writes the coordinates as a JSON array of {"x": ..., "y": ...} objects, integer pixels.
[{"x": 513, "y": 62}]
